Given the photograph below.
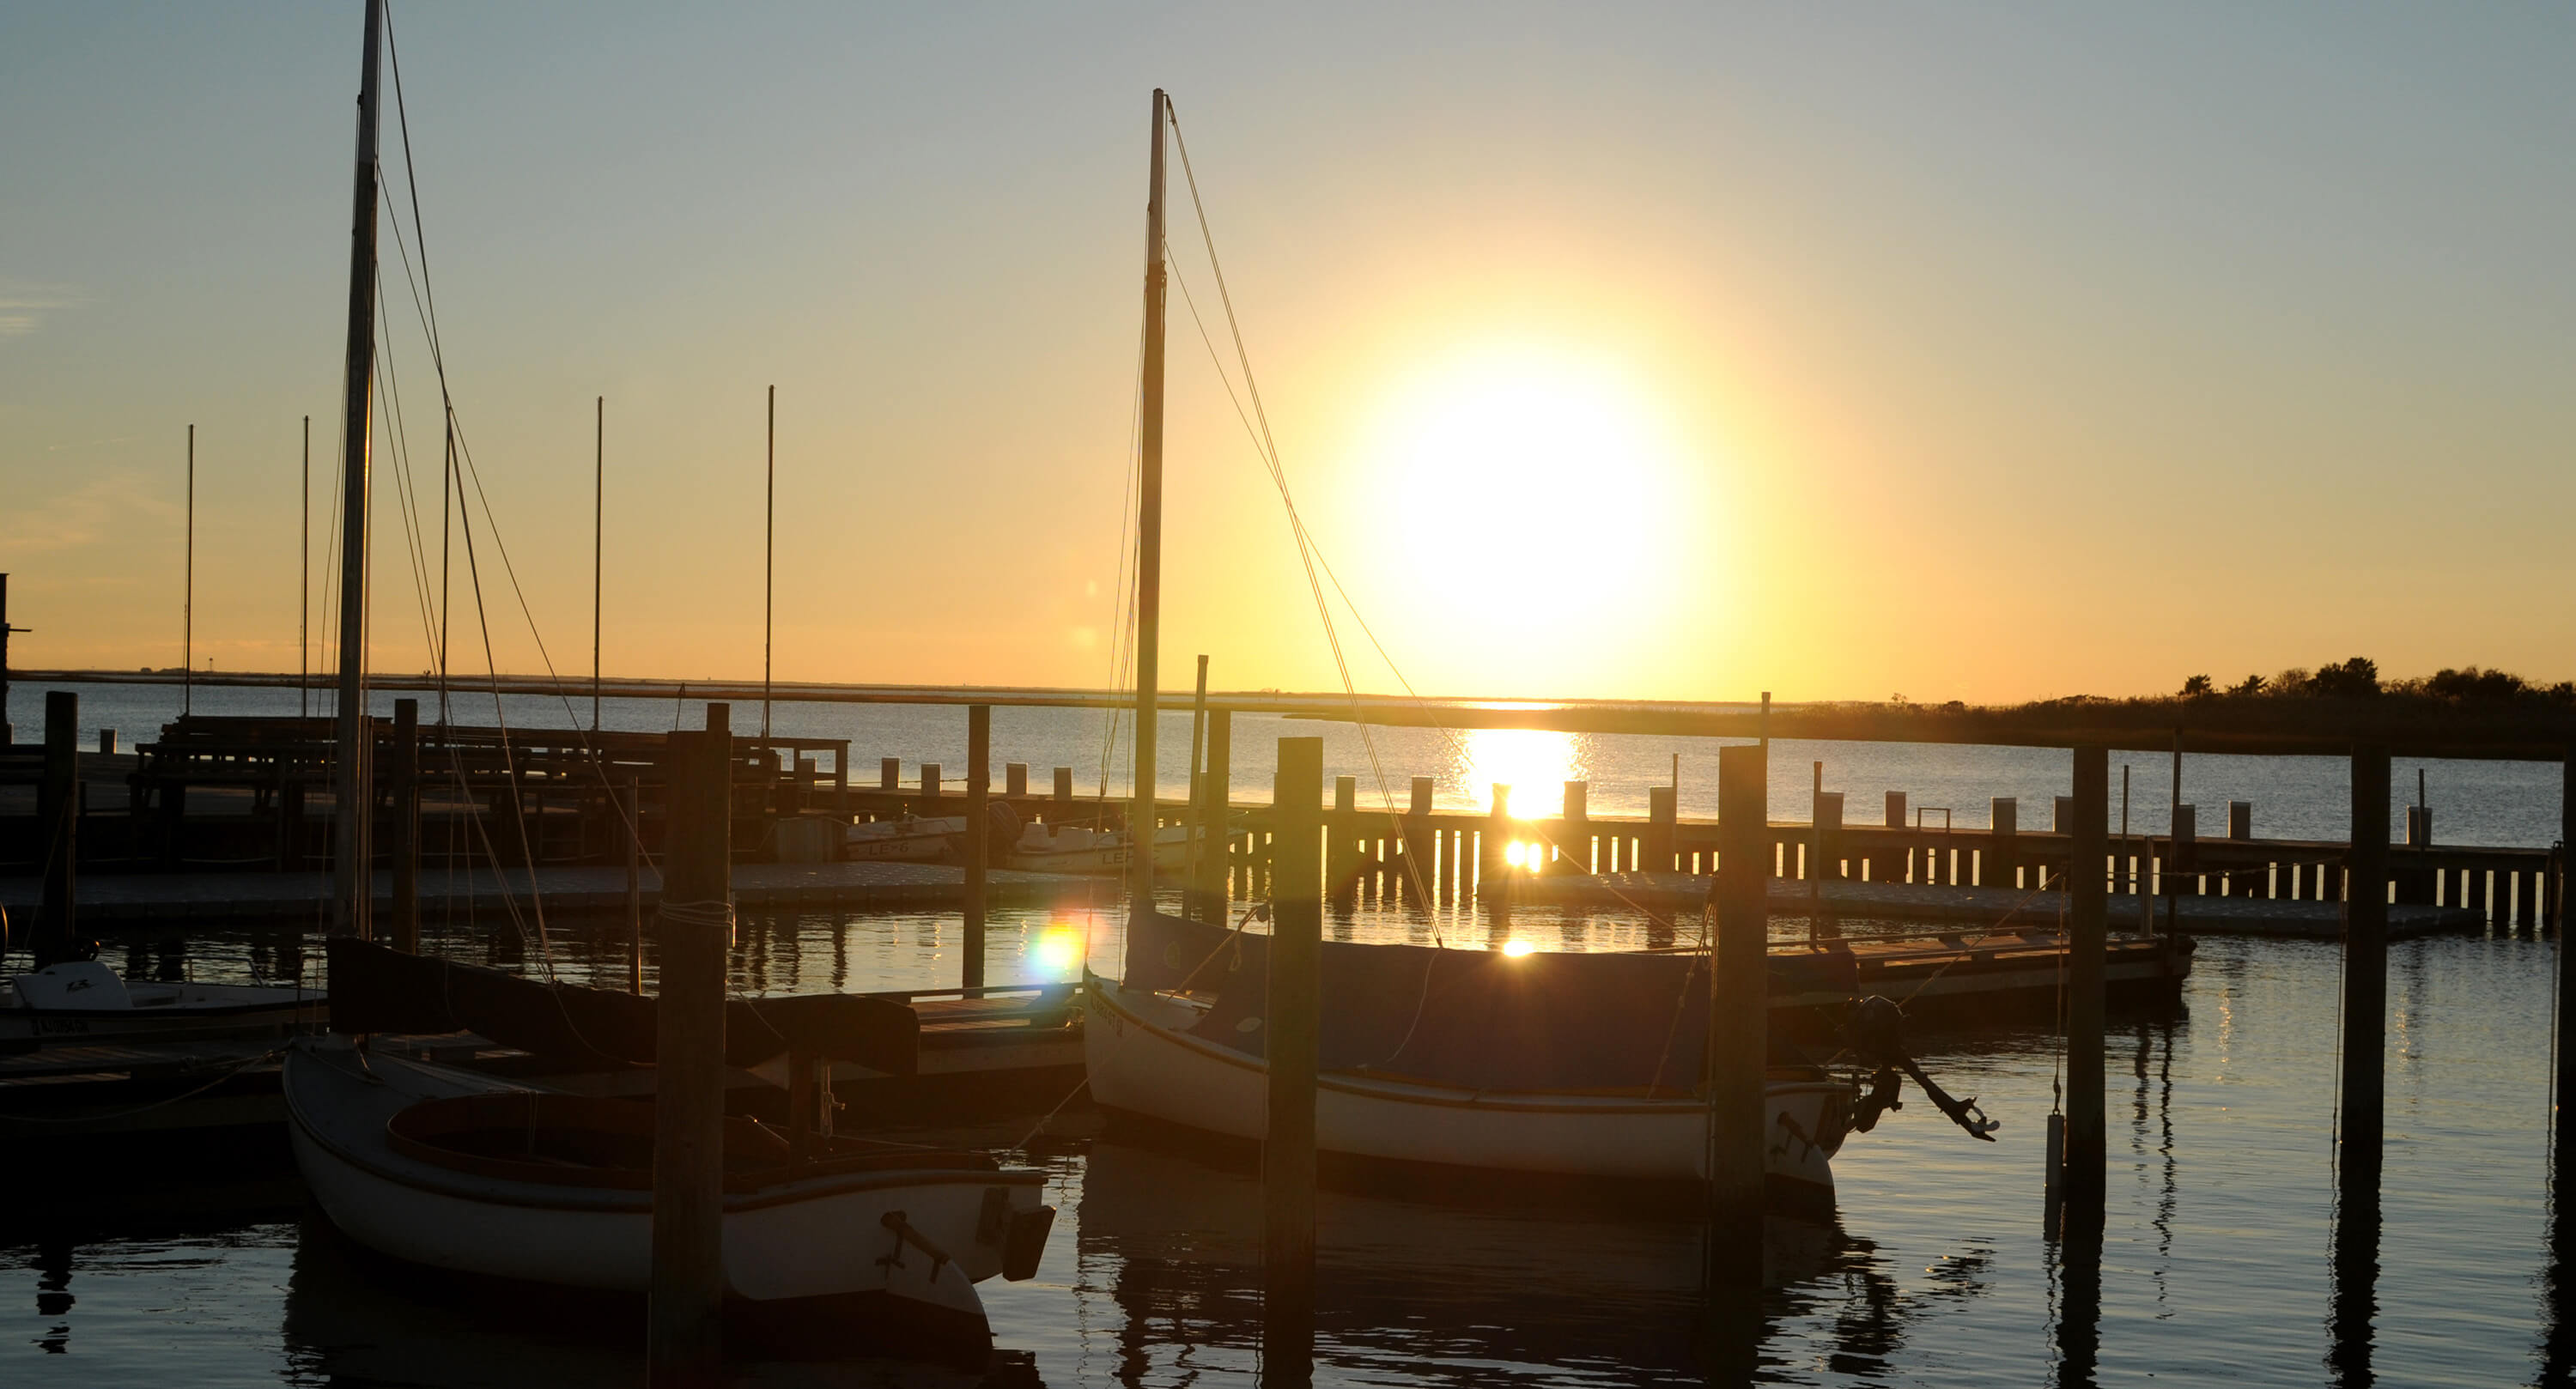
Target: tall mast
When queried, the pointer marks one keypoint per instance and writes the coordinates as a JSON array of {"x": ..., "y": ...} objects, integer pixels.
[
  {"x": 768, "y": 560},
  {"x": 1149, "y": 540},
  {"x": 598, "y": 509},
  {"x": 304, "y": 589},
  {"x": 352, "y": 798},
  {"x": 188, "y": 596}
]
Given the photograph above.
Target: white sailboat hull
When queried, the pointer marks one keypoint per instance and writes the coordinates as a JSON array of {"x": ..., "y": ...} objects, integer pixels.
[
  {"x": 825, "y": 1238},
  {"x": 1141, "y": 1063}
]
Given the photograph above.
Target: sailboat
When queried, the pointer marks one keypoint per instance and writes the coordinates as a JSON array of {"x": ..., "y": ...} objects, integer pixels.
[{"x": 499, "y": 1177}]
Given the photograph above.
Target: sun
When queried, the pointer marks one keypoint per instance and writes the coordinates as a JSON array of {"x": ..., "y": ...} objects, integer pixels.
[{"x": 1536, "y": 492}]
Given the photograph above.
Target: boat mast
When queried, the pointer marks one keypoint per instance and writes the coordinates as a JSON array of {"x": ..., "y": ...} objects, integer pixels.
[
  {"x": 352, "y": 796},
  {"x": 1149, "y": 542}
]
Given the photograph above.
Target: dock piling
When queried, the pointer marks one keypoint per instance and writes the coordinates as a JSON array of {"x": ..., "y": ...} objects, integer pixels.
[
  {"x": 406, "y": 827},
  {"x": 58, "y": 811},
  {"x": 1737, "y": 1023},
  {"x": 1216, "y": 844},
  {"x": 1294, "y": 1033},
  {"x": 1015, "y": 779},
  {"x": 889, "y": 773},
  {"x": 2563, "y": 1153},
  {"x": 2087, "y": 1150},
  {"x": 695, "y": 921},
  {"x": 2365, "y": 971},
  {"x": 630, "y": 831},
  {"x": 979, "y": 833}
]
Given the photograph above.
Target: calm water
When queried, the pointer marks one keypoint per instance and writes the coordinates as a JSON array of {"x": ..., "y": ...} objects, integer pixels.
[{"x": 2217, "y": 1261}]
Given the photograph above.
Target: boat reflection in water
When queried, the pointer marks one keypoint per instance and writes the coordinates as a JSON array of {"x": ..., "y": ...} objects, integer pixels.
[
  {"x": 1451, "y": 1292},
  {"x": 354, "y": 1316}
]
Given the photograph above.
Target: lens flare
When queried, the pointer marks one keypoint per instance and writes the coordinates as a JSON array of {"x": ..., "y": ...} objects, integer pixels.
[{"x": 1517, "y": 948}]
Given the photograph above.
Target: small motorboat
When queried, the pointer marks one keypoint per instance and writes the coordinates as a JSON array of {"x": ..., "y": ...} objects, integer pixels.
[
  {"x": 84, "y": 1003},
  {"x": 1074, "y": 849},
  {"x": 907, "y": 838},
  {"x": 473, "y": 1174}
]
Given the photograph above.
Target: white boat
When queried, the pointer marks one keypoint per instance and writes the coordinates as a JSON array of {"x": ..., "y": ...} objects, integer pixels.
[
  {"x": 476, "y": 1175},
  {"x": 1073, "y": 849},
  {"x": 84, "y": 1003},
  {"x": 1145, "y": 1058},
  {"x": 904, "y": 839}
]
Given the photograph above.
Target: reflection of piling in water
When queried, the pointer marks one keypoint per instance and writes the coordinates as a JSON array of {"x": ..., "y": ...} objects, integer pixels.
[{"x": 2353, "y": 1302}]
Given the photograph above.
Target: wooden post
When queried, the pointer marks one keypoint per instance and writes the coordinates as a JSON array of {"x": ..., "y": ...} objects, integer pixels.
[
  {"x": 2002, "y": 859},
  {"x": 1015, "y": 780},
  {"x": 1738, "y": 1023},
  {"x": 2088, "y": 927},
  {"x": 1342, "y": 838},
  {"x": 58, "y": 824},
  {"x": 930, "y": 789},
  {"x": 406, "y": 826},
  {"x": 1064, "y": 791},
  {"x": 889, "y": 773},
  {"x": 2565, "y": 1150},
  {"x": 1574, "y": 830},
  {"x": 841, "y": 782},
  {"x": 979, "y": 781},
  {"x": 1490, "y": 844},
  {"x": 1293, "y": 1038},
  {"x": 2365, "y": 970},
  {"x": 1663, "y": 816},
  {"x": 683, "y": 1340},
  {"x": 1420, "y": 872},
  {"x": 630, "y": 808},
  {"x": 1216, "y": 789}
]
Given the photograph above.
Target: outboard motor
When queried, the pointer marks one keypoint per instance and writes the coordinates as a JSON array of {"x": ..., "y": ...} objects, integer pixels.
[
  {"x": 1001, "y": 827},
  {"x": 1876, "y": 1031}
]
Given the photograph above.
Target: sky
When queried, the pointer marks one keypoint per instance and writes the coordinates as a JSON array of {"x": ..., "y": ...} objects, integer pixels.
[{"x": 1945, "y": 351}]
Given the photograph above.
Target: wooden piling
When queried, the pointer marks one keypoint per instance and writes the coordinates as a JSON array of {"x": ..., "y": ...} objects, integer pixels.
[
  {"x": 1420, "y": 871},
  {"x": 405, "y": 780},
  {"x": 683, "y": 1338},
  {"x": 979, "y": 781},
  {"x": 1216, "y": 845},
  {"x": 1063, "y": 791},
  {"x": 630, "y": 832},
  {"x": 889, "y": 773},
  {"x": 2365, "y": 970},
  {"x": 1492, "y": 840},
  {"x": 1738, "y": 1023},
  {"x": 1575, "y": 831},
  {"x": 1662, "y": 820},
  {"x": 1015, "y": 780},
  {"x": 58, "y": 816},
  {"x": 1341, "y": 838},
  {"x": 1293, "y": 1033},
  {"x": 2001, "y": 863},
  {"x": 2564, "y": 1153},
  {"x": 930, "y": 789},
  {"x": 2088, "y": 926}
]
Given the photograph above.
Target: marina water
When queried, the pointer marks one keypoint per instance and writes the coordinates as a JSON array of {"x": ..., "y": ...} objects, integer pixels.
[{"x": 2217, "y": 1262}]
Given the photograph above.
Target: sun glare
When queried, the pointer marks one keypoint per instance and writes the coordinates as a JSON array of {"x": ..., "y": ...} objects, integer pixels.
[
  {"x": 1537, "y": 465},
  {"x": 1517, "y": 947},
  {"x": 1535, "y": 763}
]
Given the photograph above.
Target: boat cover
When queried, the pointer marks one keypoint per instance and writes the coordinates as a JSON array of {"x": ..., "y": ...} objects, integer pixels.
[
  {"x": 1476, "y": 1019},
  {"x": 376, "y": 989}
]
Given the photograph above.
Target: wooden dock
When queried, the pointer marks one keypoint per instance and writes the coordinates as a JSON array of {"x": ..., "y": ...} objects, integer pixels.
[
  {"x": 133, "y": 899},
  {"x": 1683, "y": 894}
]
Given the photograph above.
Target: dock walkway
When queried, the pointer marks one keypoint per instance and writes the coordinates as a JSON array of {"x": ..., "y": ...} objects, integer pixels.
[
  {"x": 129, "y": 899},
  {"x": 2200, "y": 915}
]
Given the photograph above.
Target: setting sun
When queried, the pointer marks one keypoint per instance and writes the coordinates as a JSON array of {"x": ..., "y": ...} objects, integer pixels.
[{"x": 1527, "y": 451}]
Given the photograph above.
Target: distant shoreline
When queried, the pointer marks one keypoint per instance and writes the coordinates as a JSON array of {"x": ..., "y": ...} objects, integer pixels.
[{"x": 2407, "y": 724}]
